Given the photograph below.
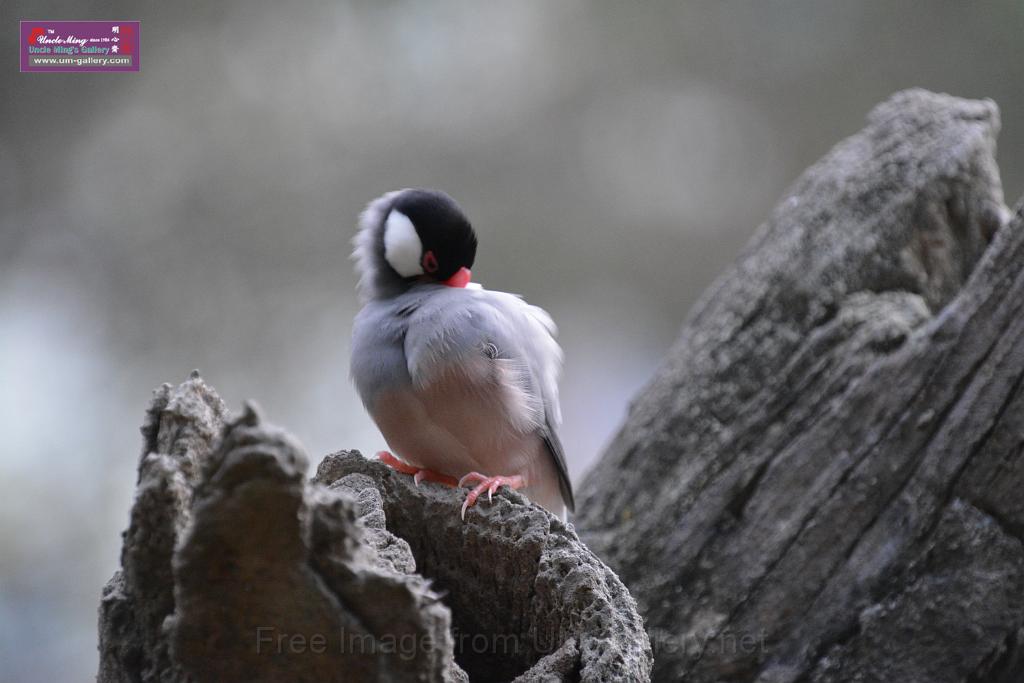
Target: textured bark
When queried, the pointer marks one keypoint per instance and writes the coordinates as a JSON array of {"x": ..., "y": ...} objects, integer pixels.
[
  {"x": 829, "y": 463},
  {"x": 236, "y": 568}
]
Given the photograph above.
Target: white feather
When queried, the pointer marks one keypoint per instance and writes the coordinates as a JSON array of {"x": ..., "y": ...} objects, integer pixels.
[
  {"x": 371, "y": 221},
  {"x": 402, "y": 246}
]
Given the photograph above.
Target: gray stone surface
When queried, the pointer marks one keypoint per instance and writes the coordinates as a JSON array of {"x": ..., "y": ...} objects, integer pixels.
[
  {"x": 829, "y": 461},
  {"x": 237, "y": 568},
  {"x": 519, "y": 582}
]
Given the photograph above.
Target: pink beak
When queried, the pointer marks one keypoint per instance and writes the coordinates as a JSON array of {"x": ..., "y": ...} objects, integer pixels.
[{"x": 460, "y": 279}]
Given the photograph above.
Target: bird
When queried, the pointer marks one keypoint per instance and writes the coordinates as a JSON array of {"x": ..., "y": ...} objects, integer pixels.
[{"x": 462, "y": 381}]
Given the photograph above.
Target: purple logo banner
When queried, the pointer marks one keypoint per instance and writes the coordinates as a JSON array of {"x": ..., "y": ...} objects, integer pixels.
[{"x": 80, "y": 45}]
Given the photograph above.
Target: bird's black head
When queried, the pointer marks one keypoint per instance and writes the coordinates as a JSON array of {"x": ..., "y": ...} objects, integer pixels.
[{"x": 427, "y": 236}]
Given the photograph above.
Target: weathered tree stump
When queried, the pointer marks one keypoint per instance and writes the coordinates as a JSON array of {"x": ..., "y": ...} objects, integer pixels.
[
  {"x": 236, "y": 568},
  {"x": 823, "y": 482},
  {"x": 820, "y": 484}
]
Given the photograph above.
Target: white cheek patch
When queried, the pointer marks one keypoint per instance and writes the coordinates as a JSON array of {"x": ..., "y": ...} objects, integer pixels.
[{"x": 402, "y": 246}]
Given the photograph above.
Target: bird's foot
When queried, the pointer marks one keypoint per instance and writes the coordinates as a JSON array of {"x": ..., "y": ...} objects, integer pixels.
[
  {"x": 418, "y": 473},
  {"x": 489, "y": 484}
]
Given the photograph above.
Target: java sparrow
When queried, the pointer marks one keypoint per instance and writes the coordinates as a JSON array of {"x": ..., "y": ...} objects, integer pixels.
[{"x": 461, "y": 380}]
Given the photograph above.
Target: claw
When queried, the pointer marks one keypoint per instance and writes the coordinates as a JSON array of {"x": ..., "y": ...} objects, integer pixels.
[
  {"x": 470, "y": 476},
  {"x": 482, "y": 482},
  {"x": 489, "y": 484}
]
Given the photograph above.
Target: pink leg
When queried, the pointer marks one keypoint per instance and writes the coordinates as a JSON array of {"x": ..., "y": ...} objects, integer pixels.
[
  {"x": 419, "y": 473},
  {"x": 489, "y": 484}
]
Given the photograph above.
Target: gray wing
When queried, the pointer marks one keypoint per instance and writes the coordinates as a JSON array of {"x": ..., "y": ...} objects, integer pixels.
[
  {"x": 547, "y": 356},
  {"x": 378, "y": 349},
  {"x": 554, "y": 446},
  {"x": 452, "y": 323}
]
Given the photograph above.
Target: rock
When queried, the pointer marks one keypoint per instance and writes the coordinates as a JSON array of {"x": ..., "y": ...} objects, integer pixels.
[
  {"x": 237, "y": 568},
  {"x": 826, "y": 464},
  {"x": 529, "y": 601}
]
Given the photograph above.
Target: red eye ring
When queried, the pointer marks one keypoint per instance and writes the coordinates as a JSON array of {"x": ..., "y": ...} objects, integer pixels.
[{"x": 429, "y": 262}]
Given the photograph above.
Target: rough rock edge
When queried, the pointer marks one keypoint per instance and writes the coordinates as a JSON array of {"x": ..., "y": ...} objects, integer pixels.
[
  {"x": 224, "y": 509},
  {"x": 226, "y": 536},
  {"x": 510, "y": 569},
  {"x": 839, "y": 419}
]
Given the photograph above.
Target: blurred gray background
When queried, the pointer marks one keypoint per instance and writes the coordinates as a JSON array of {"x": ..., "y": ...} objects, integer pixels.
[{"x": 612, "y": 156}]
